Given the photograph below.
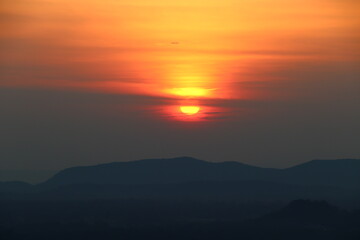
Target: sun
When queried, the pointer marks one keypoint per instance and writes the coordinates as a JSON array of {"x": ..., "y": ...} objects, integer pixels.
[{"x": 189, "y": 110}]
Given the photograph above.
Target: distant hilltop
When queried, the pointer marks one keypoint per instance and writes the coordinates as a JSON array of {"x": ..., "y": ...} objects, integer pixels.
[
  {"x": 190, "y": 178},
  {"x": 339, "y": 173}
]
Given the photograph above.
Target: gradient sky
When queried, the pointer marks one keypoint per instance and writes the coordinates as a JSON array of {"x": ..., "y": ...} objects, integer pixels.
[{"x": 268, "y": 82}]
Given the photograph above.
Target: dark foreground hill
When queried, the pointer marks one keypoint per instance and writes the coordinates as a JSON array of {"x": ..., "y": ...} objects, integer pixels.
[
  {"x": 133, "y": 220},
  {"x": 186, "y": 198}
]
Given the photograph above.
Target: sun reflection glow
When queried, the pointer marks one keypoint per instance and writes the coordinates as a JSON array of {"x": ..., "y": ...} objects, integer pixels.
[
  {"x": 189, "y": 110},
  {"x": 190, "y": 92}
]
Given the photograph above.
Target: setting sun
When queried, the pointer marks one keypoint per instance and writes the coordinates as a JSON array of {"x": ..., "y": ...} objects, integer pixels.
[{"x": 189, "y": 110}]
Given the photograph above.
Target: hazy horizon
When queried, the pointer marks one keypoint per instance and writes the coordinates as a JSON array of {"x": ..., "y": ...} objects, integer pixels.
[{"x": 35, "y": 176}]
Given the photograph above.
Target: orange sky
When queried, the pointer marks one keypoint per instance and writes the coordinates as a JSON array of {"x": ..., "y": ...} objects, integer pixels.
[
  {"x": 158, "y": 47},
  {"x": 267, "y": 82}
]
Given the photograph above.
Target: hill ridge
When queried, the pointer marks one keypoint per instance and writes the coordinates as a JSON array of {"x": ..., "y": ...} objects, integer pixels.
[{"x": 187, "y": 169}]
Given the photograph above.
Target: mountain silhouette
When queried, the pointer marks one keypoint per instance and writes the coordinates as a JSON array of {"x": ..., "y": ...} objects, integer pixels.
[
  {"x": 341, "y": 173},
  {"x": 159, "y": 171},
  {"x": 337, "y": 173},
  {"x": 189, "y": 178},
  {"x": 15, "y": 186},
  {"x": 186, "y": 198},
  {"x": 208, "y": 191}
]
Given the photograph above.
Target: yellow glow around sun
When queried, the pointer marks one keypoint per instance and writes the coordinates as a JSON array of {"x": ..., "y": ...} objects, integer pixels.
[
  {"x": 189, "y": 110},
  {"x": 190, "y": 92}
]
